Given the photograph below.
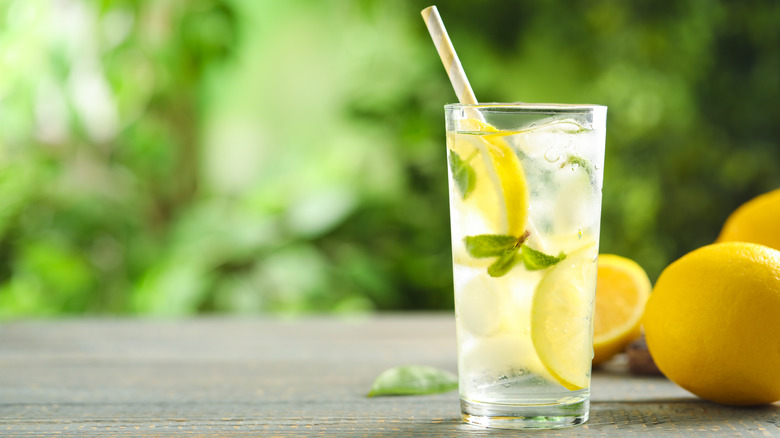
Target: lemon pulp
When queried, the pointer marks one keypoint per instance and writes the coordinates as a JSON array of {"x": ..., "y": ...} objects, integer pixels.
[{"x": 621, "y": 292}]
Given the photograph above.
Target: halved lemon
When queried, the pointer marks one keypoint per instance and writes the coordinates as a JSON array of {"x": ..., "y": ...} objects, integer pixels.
[
  {"x": 622, "y": 289},
  {"x": 561, "y": 324}
]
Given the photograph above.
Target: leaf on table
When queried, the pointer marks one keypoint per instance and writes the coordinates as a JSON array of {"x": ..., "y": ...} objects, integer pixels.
[{"x": 413, "y": 380}]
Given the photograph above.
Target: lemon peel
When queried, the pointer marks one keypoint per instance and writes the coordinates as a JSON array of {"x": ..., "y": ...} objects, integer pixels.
[
  {"x": 755, "y": 221},
  {"x": 711, "y": 323}
]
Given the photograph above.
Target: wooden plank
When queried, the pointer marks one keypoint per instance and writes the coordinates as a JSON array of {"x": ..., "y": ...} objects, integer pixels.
[{"x": 286, "y": 377}]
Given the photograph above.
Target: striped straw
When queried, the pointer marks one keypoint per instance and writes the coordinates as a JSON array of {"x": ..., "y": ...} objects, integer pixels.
[{"x": 448, "y": 56}]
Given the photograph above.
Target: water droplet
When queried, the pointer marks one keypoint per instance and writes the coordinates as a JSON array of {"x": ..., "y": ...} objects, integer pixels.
[{"x": 552, "y": 155}]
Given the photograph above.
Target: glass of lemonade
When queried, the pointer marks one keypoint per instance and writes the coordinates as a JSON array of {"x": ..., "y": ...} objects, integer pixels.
[{"x": 525, "y": 207}]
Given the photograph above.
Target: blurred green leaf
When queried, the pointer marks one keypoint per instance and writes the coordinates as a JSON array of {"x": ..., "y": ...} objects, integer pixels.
[{"x": 413, "y": 380}]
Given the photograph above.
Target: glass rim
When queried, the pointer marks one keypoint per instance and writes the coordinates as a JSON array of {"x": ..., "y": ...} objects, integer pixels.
[{"x": 530, "y": 107}]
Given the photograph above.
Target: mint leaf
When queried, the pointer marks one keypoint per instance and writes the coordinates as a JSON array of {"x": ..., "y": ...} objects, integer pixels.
[
  {"x": 413, "y": 380},
  {"x": 535, "y": 260},
  {"x": 489, "y": 245},
  {"x": 464, "y": 175},
  {"x": 503, "y": 264},
  {"x": 585, "y": 164}
]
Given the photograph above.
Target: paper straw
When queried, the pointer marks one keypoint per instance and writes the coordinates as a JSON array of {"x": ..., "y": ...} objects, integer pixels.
[
  {"x": 460, "y": 82},
  {"x": 448, "y": 56}
]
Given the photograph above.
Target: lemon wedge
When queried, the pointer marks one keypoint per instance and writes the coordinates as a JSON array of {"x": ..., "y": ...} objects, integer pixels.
[{"x": 561, "y": 324}]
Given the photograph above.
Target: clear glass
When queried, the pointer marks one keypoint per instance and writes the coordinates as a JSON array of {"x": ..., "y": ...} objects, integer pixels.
[{"x": 525, "y": 207}]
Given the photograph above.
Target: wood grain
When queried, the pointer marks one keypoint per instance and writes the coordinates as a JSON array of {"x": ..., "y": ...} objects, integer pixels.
[{"x": 290, "y": 377}]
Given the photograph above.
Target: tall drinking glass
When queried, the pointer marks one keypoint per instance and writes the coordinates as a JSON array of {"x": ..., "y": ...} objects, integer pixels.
[{"x": 525, "y": 205}]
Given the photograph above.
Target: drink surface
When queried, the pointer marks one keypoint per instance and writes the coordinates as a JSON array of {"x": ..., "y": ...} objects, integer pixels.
[{"x": 525, "y": 211}]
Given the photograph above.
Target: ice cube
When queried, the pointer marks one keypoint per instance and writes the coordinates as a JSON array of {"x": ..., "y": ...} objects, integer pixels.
[{"x": 479, "y": 302}]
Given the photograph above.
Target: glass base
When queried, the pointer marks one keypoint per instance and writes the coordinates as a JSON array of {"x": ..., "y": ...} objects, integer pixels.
[{"x": 506, "y": 416}]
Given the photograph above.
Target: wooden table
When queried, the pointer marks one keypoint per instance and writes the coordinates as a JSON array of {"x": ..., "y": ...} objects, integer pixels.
[{"x": 289, "y": 377}]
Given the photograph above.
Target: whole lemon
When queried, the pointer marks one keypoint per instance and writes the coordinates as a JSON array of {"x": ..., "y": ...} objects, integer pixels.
[
  {"x": 757, "y": 221},
  {"x": 712, "y": 323}
]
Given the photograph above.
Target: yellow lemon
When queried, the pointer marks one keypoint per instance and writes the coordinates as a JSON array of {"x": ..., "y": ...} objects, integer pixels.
[
  {"x": 622, "y": 288},
  {"x": 757, "y": 221},
  {"x": 561, "y": 329},
  {"x": 501, "y": 190},
  {"x": 712, "y": 323}
]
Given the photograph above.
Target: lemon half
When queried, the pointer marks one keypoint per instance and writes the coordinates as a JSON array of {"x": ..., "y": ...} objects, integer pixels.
[{"x": 622, "y": 290}]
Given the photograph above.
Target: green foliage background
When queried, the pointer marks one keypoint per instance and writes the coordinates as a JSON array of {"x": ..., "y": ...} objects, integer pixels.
[{"x": 175, "y": 157}]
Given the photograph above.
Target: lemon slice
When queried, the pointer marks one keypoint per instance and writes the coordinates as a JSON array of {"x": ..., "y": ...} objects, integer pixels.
[
  {"x": 507, "y": 210},
  {"x": 561, "y": 324},
  {"x": 622, "y": 290}
]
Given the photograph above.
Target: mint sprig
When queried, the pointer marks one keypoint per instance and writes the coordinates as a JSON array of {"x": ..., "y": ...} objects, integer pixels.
[
  {"x": 464, "y": 175},
  {"x": 509, "y": 251}
]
